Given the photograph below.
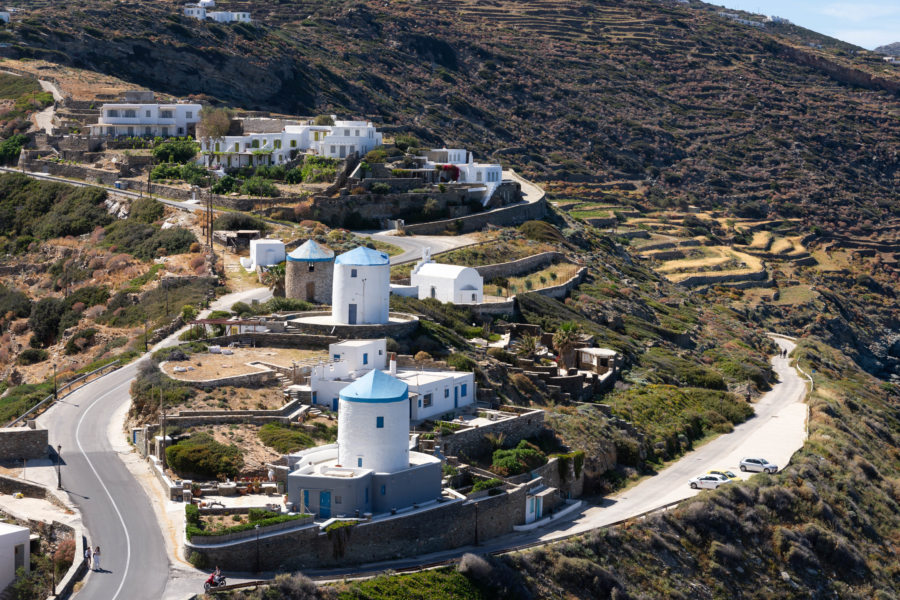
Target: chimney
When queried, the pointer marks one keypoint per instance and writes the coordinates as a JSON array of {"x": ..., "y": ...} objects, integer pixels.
[{"x": 393, "y": 364}]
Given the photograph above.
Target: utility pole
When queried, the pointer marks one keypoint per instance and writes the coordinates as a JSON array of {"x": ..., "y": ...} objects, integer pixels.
[{"x": 162, "y": 421}]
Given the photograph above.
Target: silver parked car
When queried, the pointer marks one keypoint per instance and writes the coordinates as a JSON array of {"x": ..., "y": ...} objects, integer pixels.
[
  {"x": 708, "y": 481},
  {"x": 758, "y": 465}
]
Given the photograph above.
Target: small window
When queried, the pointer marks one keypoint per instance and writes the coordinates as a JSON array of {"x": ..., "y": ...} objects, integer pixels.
[
  {"x": 312, "y": 267},
  {"x": 112, "y": 113},
  {"x": 166, "y": 114},
  {"x": 347, "y": 132},
  {"x": 380, "y": 352},
  {"x": 420, "y": 403},
  {"x": 352, "y": 272},
  {"x": 359, "y": 462},
  {"x": 428, "y": 400},
  {"x": 148, "y": 113},
  {"x": 383, "y": 490},
  {"x": 356, "y": 133},
  {"x": 367, "y": 495},
  {"x": 446, "y": 392},
  {"x": 379, "y": 422},
  {"x": 278, "y": 144},
  {"x": 189, "y": 115},
  {"x": 365, "y": 358},
  {"x": 464, "y": 389},
  {"x": 293, "y": 143},
  {"x": 337, "y": 499},
  {"x": 333, "y": 149},
  {"x": 337, "y": 357},
  {"x": 255, "y": 143},
  {"x": 130, "y": 114}
]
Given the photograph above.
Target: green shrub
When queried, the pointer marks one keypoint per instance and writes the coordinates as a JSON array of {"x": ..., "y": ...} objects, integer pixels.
[
  {"x": 14, "y": 301},
  {"x": 31, "y": 356},
  {"x": 176, "y": 151},
  {"x": 260, "y": 514},
  {"x": 541, "y": 231},
  {"x": 146, "y": 241},
  {"x": 257, "y": 186},
  {"x": 226, "y": 185},
  {"x": 196, "y": 559},
  {"x": 80, "y": 340},
  {"x": 10, "y": 149},
  {"x": 523, "y": 457},
  {"x": 201, "y": 455},
  {"x": 461, "y": 362},
  {"x": 46, "y": 315},
  {"x": 294, "y": 176},
  {"x": 284, "y": 439},
  {"x": 486, "y": 484},
  {"x": 192, "y": 514},
  {"x": 231, "y": 221},
  {"x": 380, "y": 188},
  {"x": 318, "y": 169},
  {"x": 502, "y": 355}
]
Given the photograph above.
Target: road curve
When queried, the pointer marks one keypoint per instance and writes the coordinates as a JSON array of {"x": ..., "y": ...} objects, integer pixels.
[{"x": 777, "y": 430}]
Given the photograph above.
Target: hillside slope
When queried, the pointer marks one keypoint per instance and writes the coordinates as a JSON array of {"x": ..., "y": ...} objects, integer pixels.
[{"x": 703, "y": 109}]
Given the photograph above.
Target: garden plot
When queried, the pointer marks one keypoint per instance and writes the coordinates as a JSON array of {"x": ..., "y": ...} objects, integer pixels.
[
  {"x": 551, "y": 276},
  {"x": 718, "y": 260}
]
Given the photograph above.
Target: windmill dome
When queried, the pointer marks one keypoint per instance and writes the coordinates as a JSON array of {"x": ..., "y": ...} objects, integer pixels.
[
  {"x": 310, "y": 251},
  {"x": 207, "y": 3},
  {"x": 376, "y": 387},
  {"x": 363, "y": 257}
]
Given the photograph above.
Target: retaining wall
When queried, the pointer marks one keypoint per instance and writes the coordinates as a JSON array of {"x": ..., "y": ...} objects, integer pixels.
[
  {"x": 256, "y": 379},
  {"x": 18, "y": 443},
  {"x": 514, "y": 214},
  {"x": 448, "y": 525},
  {"x": 522, "y": 265},
  {"x": 697, "y": 280},
  {"x": 12, "y": 485},
  {"x": 472, "y": 442},
  {"x": 303, "y": 341},
  {"x": 397, "y": 329}
]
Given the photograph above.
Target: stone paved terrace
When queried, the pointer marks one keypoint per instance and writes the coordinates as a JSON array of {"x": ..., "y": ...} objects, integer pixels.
[{"x": 206, "y": 365}]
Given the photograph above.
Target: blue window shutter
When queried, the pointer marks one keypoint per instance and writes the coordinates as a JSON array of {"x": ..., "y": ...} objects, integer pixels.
[
  {"x": 379, "y": 422},
  {"x": 365, "y": 358},
  {"x": 382, "y": 490}
]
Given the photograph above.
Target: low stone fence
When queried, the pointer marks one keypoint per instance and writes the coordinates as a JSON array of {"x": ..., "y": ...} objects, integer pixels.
[
  {"x": 69, "y": 171},
  {"x": 473, "y": 441},
  {"x": 449, "y": 524},
  {"x": 403, "y": 324},
  {"x": 260, "y": 378},
  {"x": 514, "y": 214},
  {"x": 507, "y": 307},
  {"x": 303, "y": 341},
  {"x": 698, "y": 280},
  {"x": 562, "y": 290},
  {"x": 200, "y": 540},
  {"x": 522, "y": 265},
  {"x": 12, "y": 485}
]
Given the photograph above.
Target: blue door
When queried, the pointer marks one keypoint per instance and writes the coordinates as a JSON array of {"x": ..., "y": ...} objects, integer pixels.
[
  {"x": 455, "y": 397},
  {"x": 305, "y": 500},
  {"x": 351, "y": 316},
  {"x": 334, "y": 404},
  {"x": 325, "y": 504}
]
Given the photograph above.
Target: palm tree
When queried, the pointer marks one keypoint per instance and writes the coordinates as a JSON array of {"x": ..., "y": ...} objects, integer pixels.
[
  {"x": 564, "y": 340},
  {"x": 273, "y": 278},
  {"x": 527, "y": 346}
]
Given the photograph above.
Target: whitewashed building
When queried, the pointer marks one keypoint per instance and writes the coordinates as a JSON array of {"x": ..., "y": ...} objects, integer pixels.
[
  {"x": 447, "y": 283},
  {"x": 265, "y": 253},
  {"x": 148, "y": 120},
  {"x": 14, "y": 552},
  {"x": 432, "y": 393},
  {"x": 201, "y": 10},
  {"x": 340, "y": 140},
  {"x": 461, "y": 164},
  {"x": 347, "y": 137}
]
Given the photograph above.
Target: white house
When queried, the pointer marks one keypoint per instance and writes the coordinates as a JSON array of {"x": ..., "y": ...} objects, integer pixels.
[
  {"x": 14, "y": 552},
  {"x": 447, "y": 283},
  {"x": 466, "y": 169},
  {"x": 361, "y": 287},
  {"x": 253, "y": 149},
  {"x": 432, "y": 393},
  {"x": 265, "y": 253},
  {"x": 151, "y": 120},
  {"x": 201, "y": 10},
  {"x": 347, "y": 137}
]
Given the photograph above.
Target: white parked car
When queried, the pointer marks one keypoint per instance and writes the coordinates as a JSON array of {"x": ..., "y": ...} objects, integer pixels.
[
  {"x": 708, "y": 481},
  {"x": 758, "y": 465}
]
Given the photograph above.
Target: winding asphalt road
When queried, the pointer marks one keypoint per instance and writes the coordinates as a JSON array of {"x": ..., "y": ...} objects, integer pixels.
[{"x": 115, "y": 509}]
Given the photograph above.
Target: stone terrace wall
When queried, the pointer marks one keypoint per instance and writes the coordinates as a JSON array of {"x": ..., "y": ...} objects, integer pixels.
[
  {"x": 472, "y": 442},
  {"x": 251, "y": 380},
  {"x": 11, "y": 485},
  {"x": 523, "y": 265},
  {"x": 697, "y": 280},
  {"x": 303, "y": 341},
  {"x": 69, "y": 171},
  {"x": 17, "y": 443},
  {"x": 447, "y": 525},
  {"x": 359, "y": 332},
  {"x": 562, "y": 290},
  {"x": 514, "y": 214}
]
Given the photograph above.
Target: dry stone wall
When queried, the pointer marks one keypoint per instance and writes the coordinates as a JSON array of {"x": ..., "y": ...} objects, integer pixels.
[
  {"x": 473, "y": 442},
  {"x": 506, "y": 216},
  {"x": 17, "y": 443}
]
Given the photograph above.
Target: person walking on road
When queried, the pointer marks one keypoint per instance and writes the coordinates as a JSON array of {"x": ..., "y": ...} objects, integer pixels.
[
  {"x": 97, "y": 558},
  {"x": 87, "y": 555}
]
